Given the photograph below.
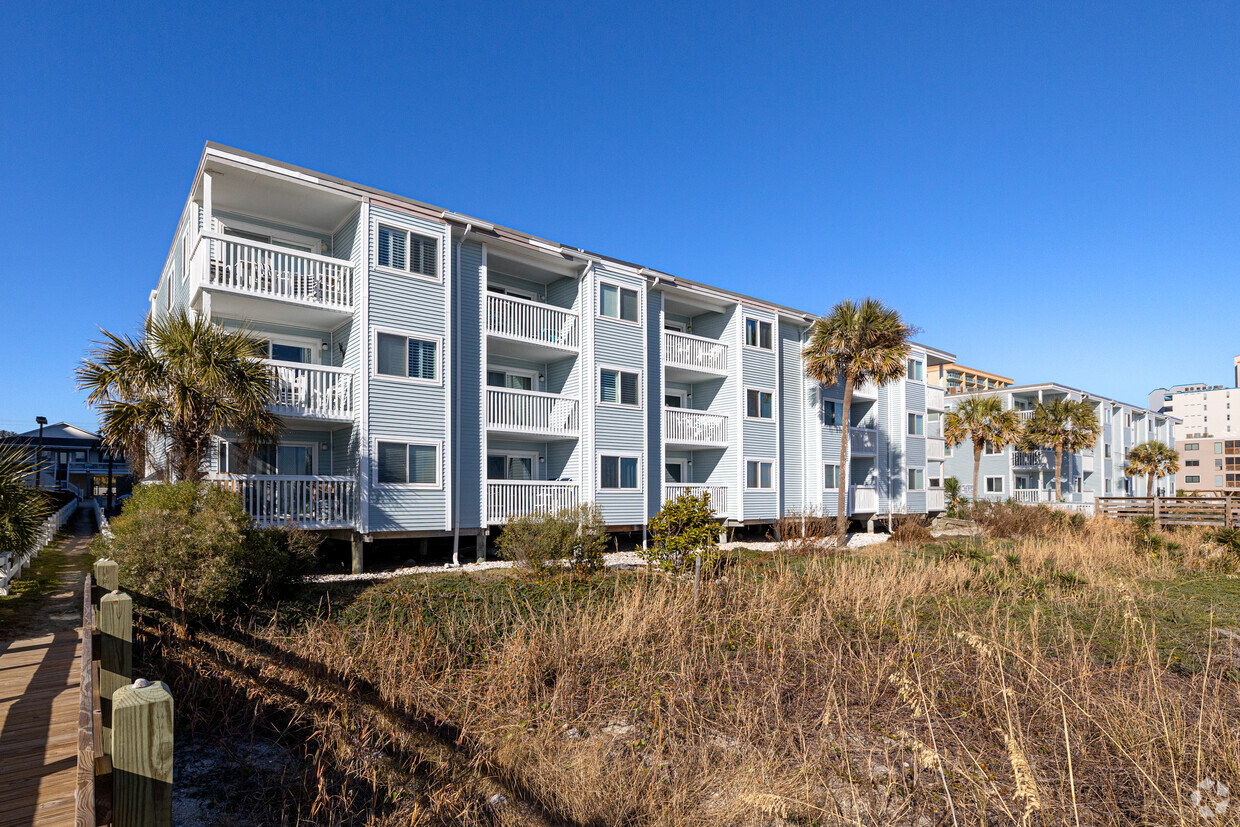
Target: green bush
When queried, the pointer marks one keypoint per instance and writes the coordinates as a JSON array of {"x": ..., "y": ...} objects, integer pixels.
[
  {"x": 193, "y": 546},
  {"x": 572, "y": 539},
  {"x": 1228, "y": 538},
  {"x": 685, "y": 526}
]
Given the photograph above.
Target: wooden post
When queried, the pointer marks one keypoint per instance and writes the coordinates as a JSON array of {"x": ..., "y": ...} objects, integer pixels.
[
  {"x": 107, "y": 579},
  {"x": 115, "y": 655},
  {"x": 142, "y": 756},
  {"x": 1157, "y": 520},
  {"x": 357, "y": 554}
]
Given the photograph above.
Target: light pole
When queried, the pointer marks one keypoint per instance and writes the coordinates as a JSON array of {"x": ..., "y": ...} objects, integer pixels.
[{"x": 38, "y": 457}]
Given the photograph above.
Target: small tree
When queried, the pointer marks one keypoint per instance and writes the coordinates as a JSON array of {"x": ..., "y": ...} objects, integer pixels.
[
  {"x": 983, "y": 421},
  {"x": 683, "y": 528},
  {"x": 951, "y": 489},
  {"x": 572, "y": 540},
  {"x": 1153, "y": 459},
  {"x": 22, "y": 508}
]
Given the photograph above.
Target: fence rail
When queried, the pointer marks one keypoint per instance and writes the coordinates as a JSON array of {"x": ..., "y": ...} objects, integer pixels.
[
  {"x": 310, "y": 502},
  {"x": 311, "y": 390},
  {"x": 532, "y": 412},
  {"x": 531, "y": 321},
  {"x": 13, "y": 562},
  {"x": 697, "y": 352},
  {"x": 517, "y": 498},
  {"x": 1217, "y": 512},
  {"x": 699, "y": 427}
]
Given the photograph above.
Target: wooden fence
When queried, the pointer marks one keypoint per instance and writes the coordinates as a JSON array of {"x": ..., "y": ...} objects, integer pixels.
[
  {"x": 1215, "y": 512},
  {"x": 124, "y": 769}
]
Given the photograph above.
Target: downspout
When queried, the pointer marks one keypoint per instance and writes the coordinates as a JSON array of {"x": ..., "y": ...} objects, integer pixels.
[{"x": 456, "y": 390}]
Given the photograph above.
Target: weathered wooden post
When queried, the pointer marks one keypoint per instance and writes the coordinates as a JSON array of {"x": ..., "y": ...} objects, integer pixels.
[
  {"x": 1157, "y": 519},
  {"x": 115, "y": 623},
  {"x": 142, "y": 755},
  {"x": 107, "y": 579}
]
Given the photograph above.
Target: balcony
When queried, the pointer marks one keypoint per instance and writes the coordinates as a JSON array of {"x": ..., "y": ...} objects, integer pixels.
[
  {"x": 309, "y": 502},
  {"x": 935, "y": 448},
  {"x": 312, "y": 391},
  {"x": 516, "y": 498},
  {"x": 690, "y": 357},
  {"x": 236, "y": 270},
  {"x": 934, "y": 398},
  {"x": 685, "y": 426},
  {"x": 532, "y": 413},
  {"x": 936, "y": 500},
  {"x": 1031, "y": 496},
  {"x": 866, "y": 390},
  {"x": 1033, "y": 459},
  {"x": 532, "y": 327},
  {"x": 862, "y": 441},
  {"x": 718, "y": 494},
  {"x": 862, "y": 499},
  {"x": 1025, "y": 416}
]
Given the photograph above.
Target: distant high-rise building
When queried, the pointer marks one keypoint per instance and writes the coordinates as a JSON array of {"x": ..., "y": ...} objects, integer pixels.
[{"x": 1203, "y": 410}]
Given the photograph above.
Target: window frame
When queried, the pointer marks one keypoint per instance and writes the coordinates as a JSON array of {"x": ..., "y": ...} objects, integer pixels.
[
  {"x": 507, "y": 371},
  {"x": 620, "y": 455},
  {"x": 921, "y": 369},
  {"x": 620, "y": 288},
  {"x": 437, "y": 444},
  {"x": 917, "y": 474},
  {"x": 750, "y": 389},
  {"x": 986, "y": 484},
  {"x": 224, "y": 457},
  {"x": 838, "y": 476},
  {"x": 920, "y": 420},
  {"x": 438, "y": 381},
  {"x": 1192, "y": 479},
  {"x": 509, "y": 455},
  {"x": 758, "y": 322},
  {"x": 639, "y": 405},
  {"x": 760, "y": 461},
  {"x": 380, "y": 224}
]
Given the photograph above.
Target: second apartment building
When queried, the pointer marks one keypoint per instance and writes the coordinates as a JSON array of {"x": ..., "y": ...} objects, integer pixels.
[{"x": 440, "y": 374}]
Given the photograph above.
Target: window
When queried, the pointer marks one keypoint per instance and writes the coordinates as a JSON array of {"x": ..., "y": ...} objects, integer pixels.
[
  {"x": 832, "y": 477},
  {"x": 936, "y": 482},
  {"x": 992, "y": 450},
  {"x": 1218, "y": 463},
  {"x": 831, "y": 413},
  {"x": 673, "y": 400},
  {"x": 994, "y": 485},
  {"x": 403, "y": 250},
  {"x": 1107, "y": 450},
  {"x": 505, "y": 467},
  {"x": 617, "y": 472},
  {"x": 917, "y": 479},
  {"x": 284, "y": 352},
  {"x": 1218, "y": 480},
  {"x": 400, "y": 463},
  {"x": 674, "y": 472},
  {"x": 947, "y": 449},
  {"x": 617, "y": 387},
  {"x": 1192, "y": 463},
  {"x": 1218, "y": 447},
  {"x": 617, "y": 302},
  {"x": 1193, "y": 478},
  {"x": 1191, "y": 446},
  {"x": 404, "y": 356},
  {"x": 285, "y": 460},
  {"x": 505, "y": 379},
  {"x": 758, "y": 404},
  {"x": 758, "y": 474},
  {"x": 758, "y": 334},
  {"x": 916, "y": 370},
  {"x": 916, "y": 424}
]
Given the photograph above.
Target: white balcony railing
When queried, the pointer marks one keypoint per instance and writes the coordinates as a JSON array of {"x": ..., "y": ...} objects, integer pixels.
[
  {"x": 1025, "y": 416},
  {"x": 271, "y": 272},
  {"x": 936, "y": 500},
  {"x": 685, "y": 350},
  {"x": 699, "y": 427},
  {"x": 862, "y": 499},
  {"x": 531, "y": 321},
  {"x": 516, "y": 498},
  {"x": 718, "y": 494},
  {"x": 1033, "y": 459},
  {"x": 1031, "y": 495},
  {"x": 532, "y": 412},
  {"x": 319, "y": 391},
  {"x": 934, "y": 398},
  {"x": 935, "y": 448},
  {"x": 309, "y": 502},
  {"x": 862, "y": 441}
]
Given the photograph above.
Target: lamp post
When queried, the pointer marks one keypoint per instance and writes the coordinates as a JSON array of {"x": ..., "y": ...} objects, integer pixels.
[{"x": 38, "y": 457}]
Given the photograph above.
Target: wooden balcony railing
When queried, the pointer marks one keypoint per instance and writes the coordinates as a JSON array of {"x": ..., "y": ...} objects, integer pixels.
[
  {"x": 532, "y": 412},
  {"x": 309, "y": 502},
  {"x": 533, "y": 322},
  {"x": 862, "y": 499},
  {"x": 718, "y": 494},
  {"x": 696, "y": 352},
  {"x": 698, "y": 427},
  {"x": 319, "y": 391},
  {"x": 516, "y": 498},
  {"x": 272, "y": 272},
  {"x": 936, "y": 499}
]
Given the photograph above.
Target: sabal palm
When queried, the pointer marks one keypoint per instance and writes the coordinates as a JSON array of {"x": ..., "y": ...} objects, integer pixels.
[
  {"x": 1153, "y": 459},
  {"x": 22, "y": 508},
  {"x": 185, "y": 380},
  {"x": 1067, "y": 425},
  {"x": 983, "y": 421},
  {"x": 857, "y": 342}
]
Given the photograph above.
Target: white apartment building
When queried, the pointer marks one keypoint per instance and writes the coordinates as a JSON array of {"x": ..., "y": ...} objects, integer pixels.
[{"x": 1203, "y": 410}]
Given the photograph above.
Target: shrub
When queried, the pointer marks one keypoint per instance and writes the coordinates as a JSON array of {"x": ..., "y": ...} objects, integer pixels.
[
  {"x": 1228, "y": 538},
  {"x": 910, "y": 530},
  {"x": 571, "y": 539},
  {"x": 1015, "y": 521},
  {"x": 192, "y": 546},
  {"x": 684, "y": 527},
  {"x": 806, "y": 532},
  {"x": 951, "y": 490}
]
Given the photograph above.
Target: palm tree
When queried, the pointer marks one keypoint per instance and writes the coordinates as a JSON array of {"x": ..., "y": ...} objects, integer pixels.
[
  {"x": 858, "y": 342},
  {"x": 982, "y": 420},
  {"x": 185, "y": 380},
  {"x": 1154, "y": 459},
  {"x": 22, "y": 508},
  {"x": 1066, "y": 425}
]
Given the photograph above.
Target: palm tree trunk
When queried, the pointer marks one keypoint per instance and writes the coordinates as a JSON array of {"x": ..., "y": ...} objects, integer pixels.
[
  {"x": 977, "y": 467},
  {"x": 1058, "y": 472},
  {"x": 1149, "y": 490},
  {"x": 845, "y": 478}
]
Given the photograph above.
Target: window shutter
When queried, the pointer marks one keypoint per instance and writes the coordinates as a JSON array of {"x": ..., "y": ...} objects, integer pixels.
[
  {"x": 608, "y": 386},
  {"x": 422, "y": 360},
  {"x": 628, "y": 388}
]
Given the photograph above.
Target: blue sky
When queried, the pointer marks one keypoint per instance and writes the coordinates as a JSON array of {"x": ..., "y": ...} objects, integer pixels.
[{"x": 1050, "y": 191}]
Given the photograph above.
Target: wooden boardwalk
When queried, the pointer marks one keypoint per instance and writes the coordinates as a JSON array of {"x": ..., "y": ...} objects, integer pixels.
[{"x": 39, "y": 678}]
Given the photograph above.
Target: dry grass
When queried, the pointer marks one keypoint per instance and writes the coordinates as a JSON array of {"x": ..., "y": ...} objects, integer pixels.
[{"x": 1033, "y": 683}]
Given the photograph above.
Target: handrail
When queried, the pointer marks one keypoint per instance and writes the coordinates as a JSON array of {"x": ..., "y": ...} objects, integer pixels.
[
  {"x": 530, "y": 302},
  {"x": 695, "y": 336},
  {"x": 544, "y": 394},
  {"x": 280, "y": 363},
  {"x": 562, "y": 483},
  {"x": 84, "y": 787}
]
